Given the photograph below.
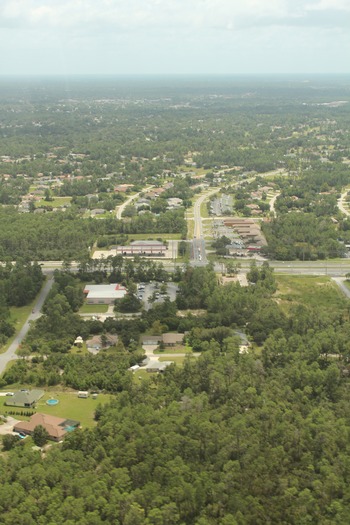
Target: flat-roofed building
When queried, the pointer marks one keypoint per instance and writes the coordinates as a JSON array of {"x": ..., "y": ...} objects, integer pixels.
[
  {"x": 143, "y": 248},
  {"x": 104, "y": 293}
]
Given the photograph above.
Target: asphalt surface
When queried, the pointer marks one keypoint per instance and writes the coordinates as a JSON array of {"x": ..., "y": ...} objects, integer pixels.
[
  {"x": 10, "y": 354},
  {"x": 128, "y": 201},
  {"x": 342, "y": 286}
]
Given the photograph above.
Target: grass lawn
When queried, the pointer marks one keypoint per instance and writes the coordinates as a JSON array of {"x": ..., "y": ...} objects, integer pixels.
[
  {"x": 69, "y": 406},
  {"x": 141, "y": 375},
  {"x": 313, "y": 291},
  {"x": 190, "y": 229},
  {"x": 153, "y": 236},
  {"x": 204, "y": 210},
  {"x": 178, "y": 359},
  {"x": 93, "y": 309},
  {"x": 76, "y": 350},
  {"x": 175, "y": 350},
  {"x": 55, "y": 203}
]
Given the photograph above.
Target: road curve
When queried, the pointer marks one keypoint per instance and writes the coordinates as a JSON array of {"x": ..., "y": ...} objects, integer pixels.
[
  {"x": 10, "y": 354},
  {"x": 340, "y": 282}
]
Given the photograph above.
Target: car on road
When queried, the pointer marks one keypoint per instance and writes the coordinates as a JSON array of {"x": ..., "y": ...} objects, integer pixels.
[{"x": 10, "y": 393}]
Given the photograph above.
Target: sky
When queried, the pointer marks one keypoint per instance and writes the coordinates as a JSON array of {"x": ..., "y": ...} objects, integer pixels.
[{"x": 64, "y": 37}]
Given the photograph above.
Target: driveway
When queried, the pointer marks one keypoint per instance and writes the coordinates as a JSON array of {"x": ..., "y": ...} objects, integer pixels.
[{"x": 7, "y": 428}]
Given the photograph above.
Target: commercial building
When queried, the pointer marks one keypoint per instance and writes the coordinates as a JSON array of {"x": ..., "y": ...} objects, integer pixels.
[{"x": 104, "y": 293}]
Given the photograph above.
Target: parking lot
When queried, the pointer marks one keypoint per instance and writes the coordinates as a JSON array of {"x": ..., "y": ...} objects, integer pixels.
[{"x": 155, "y": 292}]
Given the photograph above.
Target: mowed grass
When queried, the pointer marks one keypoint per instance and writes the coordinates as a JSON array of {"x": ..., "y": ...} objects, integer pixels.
[
  {"x": 190, "y": 229},
  {"x": 312, "y": 291},
  {"x": 153, "y": 237},
  {"x": 70, "y": 406},
  {"x": 204, "y": 210},
  {"x": 93, "y": 309},
  {"x": 174, "y": 350},
  {"x": 178, "y": 359},
  {"x": 55, "y": 203}
]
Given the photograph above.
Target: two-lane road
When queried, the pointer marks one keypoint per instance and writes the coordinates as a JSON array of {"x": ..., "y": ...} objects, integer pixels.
[{"x": 10, "y": 354}]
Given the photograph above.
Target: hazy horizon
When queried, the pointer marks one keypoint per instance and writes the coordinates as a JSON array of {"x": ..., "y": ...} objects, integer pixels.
[{"x": 173, "y": 37}]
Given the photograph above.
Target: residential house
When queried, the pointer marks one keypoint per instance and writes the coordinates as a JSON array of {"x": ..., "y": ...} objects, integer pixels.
[
  {"x": 56, "y": 427},
  {"x": 25, "y": 398}
]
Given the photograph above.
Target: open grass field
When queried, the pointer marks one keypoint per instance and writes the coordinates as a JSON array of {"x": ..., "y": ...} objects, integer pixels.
[
  {"x": 204, "y": 210},
  {"x": 311, "y": 291},
  {"x": 178, "y": 359},
  {"x": 55, "y": 203},
  {"x": 153, "y": 237},
  {"x": 69, "y": 406},
  {"x": 93, "y": 309},
  {"x": 174, "y": 350},
  {"x": 190, "y": 229}
]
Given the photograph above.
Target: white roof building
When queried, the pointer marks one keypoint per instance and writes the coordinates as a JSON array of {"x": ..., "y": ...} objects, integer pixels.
[{"x": 104, "y": 293}]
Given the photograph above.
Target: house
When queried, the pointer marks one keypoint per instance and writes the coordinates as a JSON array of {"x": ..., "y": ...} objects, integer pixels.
[
  {"x": 157, "y": 366},
  {"x": 97, "y": 342},
  {"x": 103, "y": 293},
  {"x": 174, "y": 202},
  {"x": 147, "y": 340},
  {"x": 171, "y": 339},
  {"x": 122, "y": 188},
  {"x": 56, "y": 427},
  {"x": 25, "y": 398}
]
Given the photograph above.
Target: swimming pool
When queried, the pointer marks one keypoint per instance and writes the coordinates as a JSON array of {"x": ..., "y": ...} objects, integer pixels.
[{"x": 52, "y": 402}]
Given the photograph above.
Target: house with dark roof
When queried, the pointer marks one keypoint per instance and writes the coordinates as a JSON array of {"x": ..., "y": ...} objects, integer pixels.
[
  {"x": 25, "y": 398},
  {"x": 172, "y": 339}
]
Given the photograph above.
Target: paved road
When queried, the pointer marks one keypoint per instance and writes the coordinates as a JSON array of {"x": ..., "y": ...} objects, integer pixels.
[
  {"x": 10, "y": 354},
  {"x": 128, "y": 201},
  {"x": 198, "y": 253},
  {"x": 342, "y": 286},
  {"x": 341, "y": 203}
]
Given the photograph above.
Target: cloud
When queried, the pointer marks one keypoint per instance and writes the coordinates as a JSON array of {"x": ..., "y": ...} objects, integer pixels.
[{"x": 162, "y": 15}]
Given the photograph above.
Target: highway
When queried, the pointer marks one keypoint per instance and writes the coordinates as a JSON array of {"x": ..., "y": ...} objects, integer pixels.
[{"x": 198, "y": 255}]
